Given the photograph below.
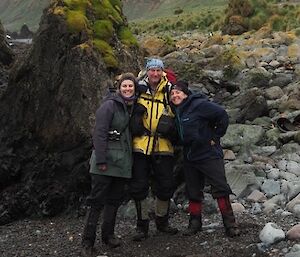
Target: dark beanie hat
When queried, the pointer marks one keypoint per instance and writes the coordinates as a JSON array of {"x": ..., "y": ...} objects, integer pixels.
[
  {"x": 182, "y": 86},
  {"x": 127, "y": 76}
]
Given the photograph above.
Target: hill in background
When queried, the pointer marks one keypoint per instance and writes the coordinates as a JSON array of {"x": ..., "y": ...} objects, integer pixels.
[
  {"x": 170, "y": 16},
  {"x": 141, "y": 9},
  {"x": 14, "y": 14}
]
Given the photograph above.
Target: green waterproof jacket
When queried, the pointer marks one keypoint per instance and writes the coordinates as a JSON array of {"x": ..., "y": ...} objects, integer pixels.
[{"x": 111, "y": 139}]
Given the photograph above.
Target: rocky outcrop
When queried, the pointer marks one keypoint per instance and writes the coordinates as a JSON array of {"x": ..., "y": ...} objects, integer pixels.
[
  {"x": 6, "y": 54},
  {"x": 47, "y": 115},
  {"x": 6, "y": 59}
]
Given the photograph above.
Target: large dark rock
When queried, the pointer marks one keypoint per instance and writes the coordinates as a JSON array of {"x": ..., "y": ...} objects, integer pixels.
[
  {"x": 46, "y": 119},
  {"x": 6, "y": 54},
  {"x": 25, "y": 32}
]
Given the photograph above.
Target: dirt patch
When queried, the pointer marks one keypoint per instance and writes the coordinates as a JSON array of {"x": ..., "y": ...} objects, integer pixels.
[{"x": 60, "y": 236}]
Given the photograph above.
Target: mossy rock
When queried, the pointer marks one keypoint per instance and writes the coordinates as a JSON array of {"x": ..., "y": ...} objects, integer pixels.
[
  {"x": 105, "y": 10},
  {"x": 127, "y": 37},
  {"x": 103, "y": 29},
  {"x": 81, "y": 5},
  {"x": 117, "y": 4},
  {"x": 76, "y": 21},
  {"x": 107, "y": 53},
  {"x": 101, "y": 21},
  {"x": 59, "y": 10}
]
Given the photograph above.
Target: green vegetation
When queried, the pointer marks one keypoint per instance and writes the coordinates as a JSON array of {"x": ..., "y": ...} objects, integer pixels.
[
  {"x": 103, "y": 29},
  {"x": 204, "y": 19},
  {"x": 103, "y": 21},
  {"x": 76, "y": 21},
  {"x": 126, "y": 36},
  {"x": 107, "y": 53},
  {"x": 254, "y": 14},
  {"x": 151, "y": 16}
]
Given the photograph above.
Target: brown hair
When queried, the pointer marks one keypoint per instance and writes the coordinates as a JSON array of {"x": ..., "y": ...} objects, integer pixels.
[{"x": 127, "y": 76}]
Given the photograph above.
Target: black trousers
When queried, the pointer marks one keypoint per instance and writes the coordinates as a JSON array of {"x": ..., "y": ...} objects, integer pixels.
[
  {"x": 155, "y": 171},
  {"x": 106, "y": 190},
  {"x": 208, "y": 172}
]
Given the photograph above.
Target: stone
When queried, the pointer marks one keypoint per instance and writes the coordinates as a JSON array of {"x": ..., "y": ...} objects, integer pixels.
[{"x": 271, "y": 234}]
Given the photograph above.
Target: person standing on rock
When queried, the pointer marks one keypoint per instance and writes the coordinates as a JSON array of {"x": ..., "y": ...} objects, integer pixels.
[
  {"x": 153, "y": 151},
  {"x": 201, "y": 123},
  {"x": 110, "y": 163}
]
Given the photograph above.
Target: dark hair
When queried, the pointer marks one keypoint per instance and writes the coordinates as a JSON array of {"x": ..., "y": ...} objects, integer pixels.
[
  {"x": 182, "y": 86},
  {"x": 127, "y": 76}
]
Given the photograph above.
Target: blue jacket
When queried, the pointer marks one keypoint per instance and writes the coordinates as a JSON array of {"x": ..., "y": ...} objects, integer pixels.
[{"x": 198, "y": 122}]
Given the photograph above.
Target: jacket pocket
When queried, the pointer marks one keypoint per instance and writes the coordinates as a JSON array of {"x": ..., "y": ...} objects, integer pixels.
[
  {"x": 190, "y": 130},
  {"x": 115, "y": 155}
]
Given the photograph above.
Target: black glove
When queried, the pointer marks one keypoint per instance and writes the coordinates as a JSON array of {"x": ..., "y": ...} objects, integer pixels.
[{"x": 136, "y": 122}]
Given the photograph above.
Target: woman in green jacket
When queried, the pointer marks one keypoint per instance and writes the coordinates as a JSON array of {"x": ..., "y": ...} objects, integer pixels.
[{"x": 110, "y": 164}]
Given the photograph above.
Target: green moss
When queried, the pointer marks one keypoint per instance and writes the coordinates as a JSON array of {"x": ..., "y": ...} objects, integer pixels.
[
  {"x": 277, "y": 23},
  {"x": 104, "y": 10},
  {"x": 116, "y": 4},
  {"x": 105, "y": 21},
  {"x": 59, "y": 11},
  {"x": 78, "y": 4},
  {"x": 111, "y": 61},
  {"x": 76, "y": 21},
  {"x": 103, "y": 29},
  {"x": 231, "y": 61},
  {"x": 127, "y": 37},
  {"x": 257, "y": 21},
  {"x": 107, "y": 53}
]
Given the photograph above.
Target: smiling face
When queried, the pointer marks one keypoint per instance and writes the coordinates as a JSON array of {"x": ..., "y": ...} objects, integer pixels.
[
  {"x": 177, "y": 96},
  {"x": 154, "y": 76},
  {"x": 127, "y": 88}
]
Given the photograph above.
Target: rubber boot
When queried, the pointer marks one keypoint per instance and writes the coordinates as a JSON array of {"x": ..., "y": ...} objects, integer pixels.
[
  {"x": 89, "y": 232},
  {"x": 162, "y": 218},
  {"x": 108, "y": 226},
  {"x": 195, "y": 225},
  {"x": 231, "y": 227},
  {"x": 142, "y": 226}
]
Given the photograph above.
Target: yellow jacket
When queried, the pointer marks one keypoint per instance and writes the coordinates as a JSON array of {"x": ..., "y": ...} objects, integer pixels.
[{"x": 156, "y": 104}]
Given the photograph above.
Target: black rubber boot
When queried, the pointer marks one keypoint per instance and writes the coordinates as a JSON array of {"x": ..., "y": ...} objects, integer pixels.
[
  {"x": 162, "y": 217},
  {"x": 89, "y": 232},
  {"x": 142, "y": 225},
  {"x": 163, "y": 226},
  {"x": 195, "y": 225},
  {"x": 231, "y": 227},
  {"x": 142, "y": 229},
  {"x": 108, "y": 226}
]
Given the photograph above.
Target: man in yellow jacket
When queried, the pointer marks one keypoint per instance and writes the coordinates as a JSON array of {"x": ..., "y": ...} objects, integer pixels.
[{"x": 153, "y": 151}]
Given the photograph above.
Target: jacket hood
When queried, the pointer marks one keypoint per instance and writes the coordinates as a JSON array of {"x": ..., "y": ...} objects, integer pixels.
[
  {"x": 192, "y": 98},
  {"x": 113, "y": 96}
]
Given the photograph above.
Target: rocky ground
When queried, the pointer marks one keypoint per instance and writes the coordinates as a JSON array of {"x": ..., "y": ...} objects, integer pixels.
[{"x": 60, "y": 236}]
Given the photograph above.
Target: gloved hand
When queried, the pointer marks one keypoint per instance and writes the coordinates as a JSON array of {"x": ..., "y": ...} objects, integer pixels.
[{"x": 136, "y": 122}]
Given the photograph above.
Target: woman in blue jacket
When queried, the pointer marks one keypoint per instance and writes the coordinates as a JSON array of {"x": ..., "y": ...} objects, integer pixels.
[{"x": 201, "y": 123}]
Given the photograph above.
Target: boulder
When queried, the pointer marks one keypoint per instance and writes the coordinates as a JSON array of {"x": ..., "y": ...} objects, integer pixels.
[{"x": 47, "y": 114}]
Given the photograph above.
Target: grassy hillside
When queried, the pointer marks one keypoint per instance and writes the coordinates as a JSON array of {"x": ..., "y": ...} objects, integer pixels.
[
  {"x": 174, "y": 15},
  {"x": 153, "y": 9},
  {"x": 14, "y": 13}
]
